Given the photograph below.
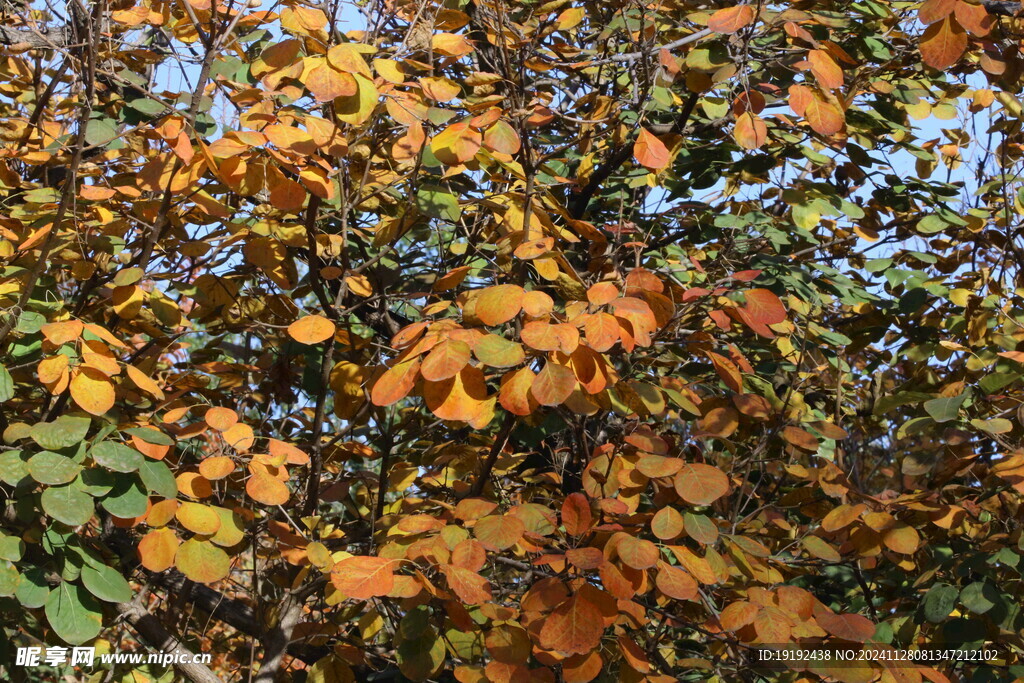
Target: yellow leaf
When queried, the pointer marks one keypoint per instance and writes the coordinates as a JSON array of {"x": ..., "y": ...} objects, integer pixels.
[{"x": 92, "y": 391}]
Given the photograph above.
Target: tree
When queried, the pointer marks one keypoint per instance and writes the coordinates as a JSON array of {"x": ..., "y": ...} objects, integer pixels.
[{"x": 491, "y": 341}]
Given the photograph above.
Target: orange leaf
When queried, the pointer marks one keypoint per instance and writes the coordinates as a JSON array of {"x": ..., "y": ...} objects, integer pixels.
[
  {"x": 800, "y": 438},
  {"x": 650, "y": 152},
  {"x": 62, "y": 332},
  {"x": 823, "y": 116},
  {"x": 574, "y": 627},
  {"x": 842, "y": 517},
  {"x": 239, "y": 436},
  {"x": 514, "y": 395},
  {"x": 326, "y": 83},
  {"x": 461, "y": 397},
  {"x": 851, "y": 627},
  {"x": 534, "y": 248},
  {"x": 772, "y": 626},
  {"x": 932, "y": 11},
  {"x": 312, "y": 329},
  {"x": 602, "y": 293},
  {"x": 266, "y": 489},
  {"x": 440, "y": 88},
  {"x": 825, "y": 69},
  {"x": 738, "y": 614},
  {"x": 576, "y": 515},
  {"x": 667, "y": 523},
  {"x": 750, "y": 131},
  {"x": 499, "y": 304},
  {"x": 942, "y": 43},
  {"x": 902, "y": 539},
  {"x": 731, "y": 19},
  {"x": 700, "y": 484},
  {"x": 194, "y": 485},
  {"x": 585, "y": 558},
  {"x": 655, "y": 466},
  {"x": 221, "y": 419},
  {"x": 445, "y": 360},
  {"x": 157, "y": 549},
  {"x": 456, "y": 144},
  {"x": 499, "y": 532},
  {"x": 144, "y": 382},
  {"x": 582, "y": 668},
  {"x": 540, "y": 336},
  {"x": 974, "y": 18},
  {"x": 537, "y": 304},
  {"x": 502, "y": 138},
  {"x": 729, "y": 373},
  {"x": 675, "y": 583},
  {"x": 217, "y": 467},
  {"x": 637, "y": 552},
  {"x": 396, "y": 383},
  {"x": 602, "y": 331},
  {"x": 469, "y": 554},
  {"x": 471, "y": 588},
  {"x": 553, "y": 384},
  {"x": 763, "y": 308},
  {"x": 362, "y": 578}
]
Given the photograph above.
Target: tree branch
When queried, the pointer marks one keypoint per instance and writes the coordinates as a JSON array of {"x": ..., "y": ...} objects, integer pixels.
[{"x": 154, "y": 633}]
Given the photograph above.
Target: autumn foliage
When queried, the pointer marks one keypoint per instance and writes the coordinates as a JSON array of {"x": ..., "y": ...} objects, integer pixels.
[{"x": 512, "y": 341}]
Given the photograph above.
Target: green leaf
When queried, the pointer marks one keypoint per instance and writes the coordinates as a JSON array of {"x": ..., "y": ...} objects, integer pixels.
[
  {"x": 330, "y": 669},
  {"x": 106, "y": 583},
  {"x": 100, "y": 131},
  {"x": 14, "y": 467},
  {"x": 939, "y": 602},
  {"x": 68, "y": 504},
  {"x": 997, "y": 425},
  {"x": 152, "y": 436},
  {"x": 10, "y": 579},
  {"x": 158, "y": 478},
  {"x": 931, "y": 224},
  {"x": 52, "y": 468},
  {"x": 33, "y": 589},
  {"x": 96, "y": 482},
  {"x": 116, "y": 456},
  {"x": 30, "y": 322},
  {"x": 127, "y": 499},
  {"x": 980, "y": 597},
  {"x": 945, "y": 409},
  {"x": 74, "y": 615},
  {"x": 11, "y": 547},
  {"x": 438, "y": 203},
  {"x": 147, "y": 107},
  {"x": 6, "y": 385},
  {"x": 63, "y": 432}
]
